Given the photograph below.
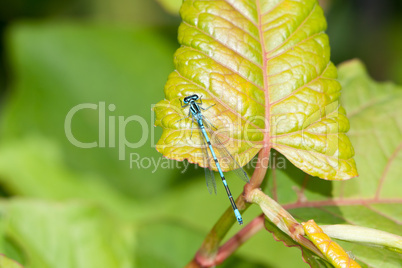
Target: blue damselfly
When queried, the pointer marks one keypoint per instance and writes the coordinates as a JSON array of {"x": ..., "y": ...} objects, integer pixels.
[{"x": 213, "y": 143}]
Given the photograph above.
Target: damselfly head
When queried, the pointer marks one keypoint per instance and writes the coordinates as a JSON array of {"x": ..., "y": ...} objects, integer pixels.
[{"x": 188, "y": 99}]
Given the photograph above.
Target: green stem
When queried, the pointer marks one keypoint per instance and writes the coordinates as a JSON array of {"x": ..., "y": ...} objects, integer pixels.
[
  {"x": 281, "y": 218},
  {"x": 274, "y": 212}
]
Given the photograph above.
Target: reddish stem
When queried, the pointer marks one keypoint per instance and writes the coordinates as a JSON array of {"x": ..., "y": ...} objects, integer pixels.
[
  {"x": 259, "y": 172},
  {"x": 230, "y": 246},
  {"x": 236, "y": 241},
  {"x": 212, "y": 241},
  {"x": 210, "y": 254}
]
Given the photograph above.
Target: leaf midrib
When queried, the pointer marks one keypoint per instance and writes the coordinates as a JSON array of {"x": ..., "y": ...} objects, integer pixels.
[{"x": 267, "y": 134}]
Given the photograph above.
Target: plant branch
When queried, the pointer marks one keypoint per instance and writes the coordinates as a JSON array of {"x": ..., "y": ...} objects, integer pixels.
[
  {"x": 208, "y": 253},
  {"x": 259, "y": 172},
  {"x": 220, "y": 229},
  {"x": 281, "y": 218},
  {"x": 230, "y": 246},
  {"x": 236, "y": 241}
]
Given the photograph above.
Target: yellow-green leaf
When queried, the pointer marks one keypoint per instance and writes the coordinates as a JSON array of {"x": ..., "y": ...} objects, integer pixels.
[
  {"x": 8, "y": 263},
  {"x": 266, "y": 65}
]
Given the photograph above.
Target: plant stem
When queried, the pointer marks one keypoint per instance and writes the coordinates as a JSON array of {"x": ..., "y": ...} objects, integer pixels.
[
  {"x": 274, "y": 211},
  {"x": 211, "y": 243},
  {"x": 236, "y": 241},
  {"x": 282, "y": 219},
  {"x": 259, "y": 172},
  {"x": 230, "y": 246},
  {"x": 208, "y": 253},
  {"x": 193, "y": 264}
]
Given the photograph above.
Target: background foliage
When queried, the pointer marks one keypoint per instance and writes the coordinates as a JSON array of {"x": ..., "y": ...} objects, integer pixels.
[{"x": 58, "y": 198}]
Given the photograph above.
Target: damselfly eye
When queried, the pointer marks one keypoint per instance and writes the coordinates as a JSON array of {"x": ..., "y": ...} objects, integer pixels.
[
  {"x": 188, "y": 99},
  {"x": 193, "y": 97}
]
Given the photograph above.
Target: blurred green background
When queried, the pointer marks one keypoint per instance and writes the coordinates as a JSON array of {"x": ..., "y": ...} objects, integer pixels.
[{"x": 65, "y": 206}]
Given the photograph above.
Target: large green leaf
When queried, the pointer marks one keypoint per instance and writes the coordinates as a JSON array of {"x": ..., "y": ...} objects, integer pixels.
[
  {"x": 373, "y": 200},
  {"x": 265, "y": 64}
]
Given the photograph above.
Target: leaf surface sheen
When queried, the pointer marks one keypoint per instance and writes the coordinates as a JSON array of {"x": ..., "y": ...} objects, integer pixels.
[{"x": 266, "y": 65}]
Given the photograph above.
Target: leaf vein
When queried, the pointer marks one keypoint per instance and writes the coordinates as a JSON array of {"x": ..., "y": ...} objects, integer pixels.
[
  {"x": 219, "y": 100},
  {"x": 265, "y": 73},
  {"x": 273, "y": 8},
  {"x": 370, "y": 104},
  {"x": 318, "y": 154},
  {"x": 383, "y": 214},
  {"x": 386, "y": 169},
  {"x": 296, "y": 45},
  {"x": 218, "y": 41},
  {"x": 305, "y": 85},
  {"x": 226, "y": 66},
  {"x": 295, "y": 31},
  {"x": 240, "y": 12}
]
